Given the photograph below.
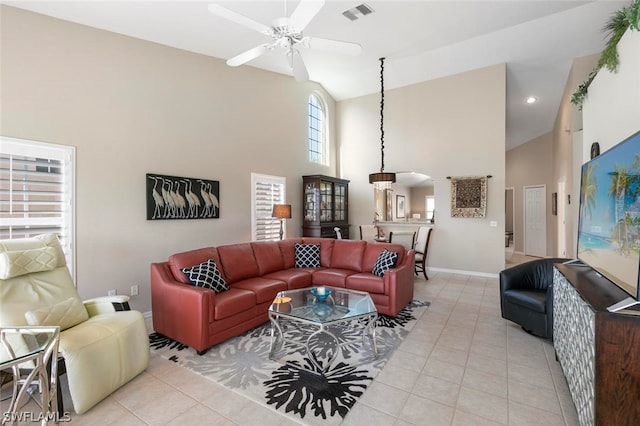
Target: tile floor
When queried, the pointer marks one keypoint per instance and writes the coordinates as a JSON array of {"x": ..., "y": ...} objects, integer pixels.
[{"x": 462, "y": 364}]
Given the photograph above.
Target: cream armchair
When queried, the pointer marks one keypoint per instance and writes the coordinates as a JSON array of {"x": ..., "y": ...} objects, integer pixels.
[{"x": 103, "y": 348}]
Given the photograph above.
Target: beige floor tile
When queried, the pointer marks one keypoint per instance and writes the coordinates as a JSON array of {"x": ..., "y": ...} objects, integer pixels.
[
  {"x": 461, "y": 418},
  {"x": 364, "y": 415},
  {"x": 165, "y": 408},
  {"x": 444, "y": 370},
  {"x": 385, "y": 398},
  {"x": 398, "y": 377},
  {"x": 524, "y": 415},
  {"x": 442, "y": 352},
  {"x": 533, "y": 396},
  {"x": 483, "y": 404},
  {"x": 437, "y": 390},
  {"x": 407, "y": 360},
  {"x": 421, "y": 411},
  {"x": 540, "y": 377},
  {"x": 487, "y": 364},
  {"x": 200, "y": 415},
  {"x": 141, "y": 390},
  {"x": 485, "y": 382}
]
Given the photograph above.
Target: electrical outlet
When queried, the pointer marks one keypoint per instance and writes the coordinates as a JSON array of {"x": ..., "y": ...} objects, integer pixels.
[
  {"x": 112, "y": 292},
  {"x": 134, "y": 290}
]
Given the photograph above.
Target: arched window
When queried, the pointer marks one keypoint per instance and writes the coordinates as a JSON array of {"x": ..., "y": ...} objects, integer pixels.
[{"x": 317, "y": 130}]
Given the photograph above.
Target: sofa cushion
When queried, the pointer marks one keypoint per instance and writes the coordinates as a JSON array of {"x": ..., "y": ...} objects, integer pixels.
[
  {"x": 268, "y": 256},
  {"x": 189, "y": 258},
  {"x": 232, "y": 302},
  {"x": 307, "y": 255},
  {"x": 295, "y": 278},
  {"x": 326, "y": 248},
  {"x": 347, "y": 254},
  {"x": 206, "y": 275},
  {"x": 64, "y": 314},
  {"x": 386, "y": 260},
  {"x": 288, "y": 251},
  {"x": 265, "y": 289},
  {"x": 238, "y": 262},
  {"x": 331, "y": 277}
]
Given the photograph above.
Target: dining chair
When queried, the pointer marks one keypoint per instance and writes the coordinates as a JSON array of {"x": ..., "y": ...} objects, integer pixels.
[
  {"x": 407, "y": 239},
  {"x": 368, "y": 233},
  {"x": 422, "y": 247}
]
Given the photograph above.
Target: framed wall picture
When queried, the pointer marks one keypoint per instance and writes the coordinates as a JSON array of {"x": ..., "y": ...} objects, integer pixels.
[
  {"x": 173, "y": 197},
  {"x": 400, "y": 206}
]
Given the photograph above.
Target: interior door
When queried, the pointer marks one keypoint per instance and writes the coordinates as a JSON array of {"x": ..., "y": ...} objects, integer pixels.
[{"x": 535, "y": 221}]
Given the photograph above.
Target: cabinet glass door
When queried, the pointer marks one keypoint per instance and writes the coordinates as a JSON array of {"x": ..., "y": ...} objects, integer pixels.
[
  {"x": 310, "y": 202},
  {"x": 326, "y": 202},
  {"x": 341, "y": 201}
]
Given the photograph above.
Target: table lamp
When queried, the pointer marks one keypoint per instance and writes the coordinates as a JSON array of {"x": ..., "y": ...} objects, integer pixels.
[{"x": 282, "y": 212}]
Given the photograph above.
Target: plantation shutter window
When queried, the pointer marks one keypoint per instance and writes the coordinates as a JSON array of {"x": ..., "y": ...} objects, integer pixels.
[
  {"x": 36, "y": 191},
  {"x": 267, "y": 191}
]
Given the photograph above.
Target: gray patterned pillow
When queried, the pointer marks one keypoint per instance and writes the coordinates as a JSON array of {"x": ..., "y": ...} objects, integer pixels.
[
  {"x": 307, "y": 255},
  {"x": 206, "y": 275},
  {"x": 386, "y": 260}
]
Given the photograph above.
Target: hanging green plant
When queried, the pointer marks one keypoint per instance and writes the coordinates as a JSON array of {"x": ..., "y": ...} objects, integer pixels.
[{"x": 627, "y": 17}]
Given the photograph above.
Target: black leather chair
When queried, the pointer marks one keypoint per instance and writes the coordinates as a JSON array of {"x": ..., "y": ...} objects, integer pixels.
[{"x": 526, "y": 296}]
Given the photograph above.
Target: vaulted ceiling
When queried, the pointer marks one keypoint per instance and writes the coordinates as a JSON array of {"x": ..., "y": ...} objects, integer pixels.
[{"x": 422, "y": 40}]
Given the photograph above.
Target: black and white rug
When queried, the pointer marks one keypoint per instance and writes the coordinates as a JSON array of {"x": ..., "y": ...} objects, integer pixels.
[{"x": 242, "y": 364}]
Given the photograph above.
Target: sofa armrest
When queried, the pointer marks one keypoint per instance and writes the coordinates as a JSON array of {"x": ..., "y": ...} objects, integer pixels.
[
  {"x": 398, "y": 283},
  {"x": 106, "y": 304},
  {"x": 180, "y": 311}
]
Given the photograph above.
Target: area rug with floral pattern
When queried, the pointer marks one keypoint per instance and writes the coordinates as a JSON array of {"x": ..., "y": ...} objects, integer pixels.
[{"x": 289, "y": 381}]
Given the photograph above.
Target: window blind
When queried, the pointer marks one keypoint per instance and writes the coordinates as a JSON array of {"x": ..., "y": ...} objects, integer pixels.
[
  {"x": 267, "y": 191},
  {"x": 36, "y": 191}
]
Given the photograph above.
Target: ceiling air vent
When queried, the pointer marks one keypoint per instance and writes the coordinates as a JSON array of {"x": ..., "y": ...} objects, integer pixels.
[{"x": 358, "y": 11}]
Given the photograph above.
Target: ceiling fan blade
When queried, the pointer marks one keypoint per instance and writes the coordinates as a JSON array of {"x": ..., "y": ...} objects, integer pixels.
[
  {"x": 297, "y": 65},
  {"x": 249, "y": 55},
  {"x": 304, "y": 13},
  {"x": 232, "y": 16},
  {"x": 345, "y": 47}
]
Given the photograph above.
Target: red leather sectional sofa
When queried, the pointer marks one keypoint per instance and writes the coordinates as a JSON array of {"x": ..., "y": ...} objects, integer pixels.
[{"x": 256, "y": 272}]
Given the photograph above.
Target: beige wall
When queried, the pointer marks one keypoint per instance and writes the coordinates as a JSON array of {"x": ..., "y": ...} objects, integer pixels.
[
  {"x": 611, "y": 111},
  {"x": 530, "y": 164},
  {"x": 568, "y": 129},
  {"x": 132, "y": 107},
  {"x": 453, "y": 126}
]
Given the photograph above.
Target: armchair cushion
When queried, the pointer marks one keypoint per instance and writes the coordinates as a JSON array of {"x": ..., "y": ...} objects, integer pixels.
[
  {"x": 64, "y": 314},
  {"x": 206, "y": 275},
  {"x": 17, "y": 263}
]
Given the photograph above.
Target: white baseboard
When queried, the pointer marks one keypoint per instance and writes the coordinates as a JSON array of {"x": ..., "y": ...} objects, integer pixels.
[{"x": 458, "y": 271}]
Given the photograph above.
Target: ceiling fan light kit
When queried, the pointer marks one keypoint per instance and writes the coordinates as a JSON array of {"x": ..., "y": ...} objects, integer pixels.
[{"x": 287, "y": 34}]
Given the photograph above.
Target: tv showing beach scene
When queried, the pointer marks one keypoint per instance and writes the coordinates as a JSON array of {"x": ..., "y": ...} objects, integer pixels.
[{"x": 609, "y": 227}]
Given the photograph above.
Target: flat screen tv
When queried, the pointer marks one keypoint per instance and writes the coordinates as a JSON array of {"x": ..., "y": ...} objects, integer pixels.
[{"x": 609, "y": 223}]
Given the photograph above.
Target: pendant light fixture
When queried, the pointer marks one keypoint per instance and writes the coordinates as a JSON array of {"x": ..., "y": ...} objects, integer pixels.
[{"x": 382, "y": 179}]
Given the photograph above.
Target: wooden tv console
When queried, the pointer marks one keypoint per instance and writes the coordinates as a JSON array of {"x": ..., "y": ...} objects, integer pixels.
[{"x": 599, "y": 351}]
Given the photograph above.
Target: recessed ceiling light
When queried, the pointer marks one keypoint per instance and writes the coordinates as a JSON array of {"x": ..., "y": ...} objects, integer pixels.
[{"x": 531, "y": 100}]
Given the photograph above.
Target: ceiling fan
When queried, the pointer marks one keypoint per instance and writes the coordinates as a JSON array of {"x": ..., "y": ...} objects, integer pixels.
[{"x": 286, "y": 33}]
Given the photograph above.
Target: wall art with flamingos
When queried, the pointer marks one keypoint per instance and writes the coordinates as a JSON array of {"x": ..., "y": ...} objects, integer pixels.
[{"x": 172, "y": 197}]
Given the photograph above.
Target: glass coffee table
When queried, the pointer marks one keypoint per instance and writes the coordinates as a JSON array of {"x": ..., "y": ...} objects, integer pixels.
[{"x": 300, "y": 318}]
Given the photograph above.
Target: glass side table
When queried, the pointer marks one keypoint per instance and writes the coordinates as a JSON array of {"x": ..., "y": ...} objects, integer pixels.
[{"x": 35, "y": 349}]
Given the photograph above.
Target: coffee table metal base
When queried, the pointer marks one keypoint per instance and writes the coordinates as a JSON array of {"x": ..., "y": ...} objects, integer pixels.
[{"x": 279, "y": 339}]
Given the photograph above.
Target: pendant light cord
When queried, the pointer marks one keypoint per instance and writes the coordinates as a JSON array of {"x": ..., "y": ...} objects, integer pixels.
[{"x": 381, "y": 115}]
